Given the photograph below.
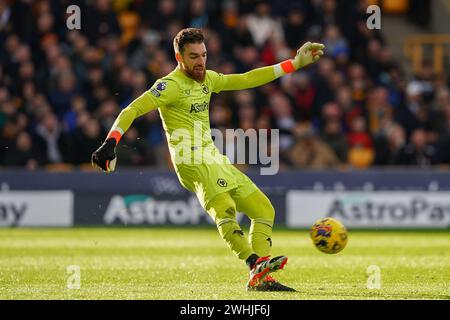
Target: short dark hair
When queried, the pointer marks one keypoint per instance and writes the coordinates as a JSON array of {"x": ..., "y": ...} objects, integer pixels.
[{"x": 185, "y": 36}]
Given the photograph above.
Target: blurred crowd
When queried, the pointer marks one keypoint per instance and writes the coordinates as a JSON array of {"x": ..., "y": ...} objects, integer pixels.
[{"x": 61, "y": 90}]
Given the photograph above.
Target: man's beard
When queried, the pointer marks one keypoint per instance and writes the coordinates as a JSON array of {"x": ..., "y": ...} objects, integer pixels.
[{"x": 197, "y": 75}]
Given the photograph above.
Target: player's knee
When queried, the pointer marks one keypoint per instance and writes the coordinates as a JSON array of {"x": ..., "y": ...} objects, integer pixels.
[
  {"x": 226, "y": 216},
  {"x": 222, "y": 208},
  {"x": 268, "y": 211},
  {"x": 263, "y": 207},
  {"x": 227, "y": 211}
]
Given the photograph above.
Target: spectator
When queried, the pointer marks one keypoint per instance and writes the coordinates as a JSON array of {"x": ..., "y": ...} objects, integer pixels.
[
  {"x": 242, "y": 36},
  {"x": 22, "y": 153},
  {"x": 309, "y": 152},
  {"x": 78, "y": 105},
  {"x": 86, "y": 140},
  {"x": 334, "y": 136},
  {"x": 51, "y": 142},
  {"x": 321, "y": 82},
  {"x": 414, "y": 113},
  {"x": 262, "y": 25},
  {"x": 295, "y": 28},
  {"x": 283, "y": 119},
  {"x": 417, "y": 152},
  {"x": 358, "y": 136},
  {"x": 133, "y": 151},
  {"x": 380, "y": 112},
  {"x": 305, "y": 93},
  {"x": 107, "y": 113},
  {"x": 101, "y": 21},
  {"x": 361, "y": 150},
  {"x": 388, "y": 145},
  {"x": 61, "y": 98},
  {"x": 198, "y": 15},
  {"x": 220, "y": 115},
  {"x": 333, "y": 41},
  {"x": 166, "y": 12}
]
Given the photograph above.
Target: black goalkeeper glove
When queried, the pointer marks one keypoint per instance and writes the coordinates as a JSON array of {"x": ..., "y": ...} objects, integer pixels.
[{"x": 105, "y": 156}]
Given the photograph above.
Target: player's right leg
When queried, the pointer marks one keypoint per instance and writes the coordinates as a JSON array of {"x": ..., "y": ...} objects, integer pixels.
[
  {"x": 260, "y": 278},
  {"x": 222, "y": 209},
  {"x": 262, "y": 214}
]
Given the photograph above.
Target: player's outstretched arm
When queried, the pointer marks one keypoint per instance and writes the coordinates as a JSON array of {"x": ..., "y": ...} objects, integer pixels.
[
  {"x": 105, "y": 156},
  {"x": 163, "y": 92},
  {"x": 308, "y": 53}
]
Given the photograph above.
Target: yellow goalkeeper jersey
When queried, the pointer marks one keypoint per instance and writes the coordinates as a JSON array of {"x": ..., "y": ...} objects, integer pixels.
[{"x": 183, "y": 104}]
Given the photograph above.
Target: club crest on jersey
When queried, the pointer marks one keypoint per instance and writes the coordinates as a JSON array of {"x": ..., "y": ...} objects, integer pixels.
[
  {"x": 205, "y": 89},
  {"x": 222, "y": 182},
  {"x": 161, "y": 86}
]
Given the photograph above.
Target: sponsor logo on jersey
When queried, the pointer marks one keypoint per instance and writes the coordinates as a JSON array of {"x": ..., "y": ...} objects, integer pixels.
[
  {"x": 155, "y": 92},
  {"x": 199, "y": 107}
]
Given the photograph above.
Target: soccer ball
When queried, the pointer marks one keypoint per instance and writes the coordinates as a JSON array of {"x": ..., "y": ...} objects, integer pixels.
[{"x": 329, "y": 235}]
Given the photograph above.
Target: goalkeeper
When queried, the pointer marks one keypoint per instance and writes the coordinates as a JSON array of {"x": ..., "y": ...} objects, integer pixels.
[{"x": 182, "y": 98}]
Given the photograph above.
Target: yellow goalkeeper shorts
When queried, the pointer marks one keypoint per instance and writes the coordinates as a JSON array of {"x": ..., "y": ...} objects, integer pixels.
[{"x": 214, "y": 176}]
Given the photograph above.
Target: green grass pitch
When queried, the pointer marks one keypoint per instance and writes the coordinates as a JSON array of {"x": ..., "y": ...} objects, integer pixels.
[{"x": 179, "y": 263}]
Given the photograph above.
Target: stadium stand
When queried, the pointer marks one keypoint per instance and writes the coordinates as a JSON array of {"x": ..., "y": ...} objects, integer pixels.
[{"x": 60, "y": 89}]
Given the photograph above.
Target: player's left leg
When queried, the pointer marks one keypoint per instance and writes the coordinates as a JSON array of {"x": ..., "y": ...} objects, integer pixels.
[{"x": 222, "y": 209}]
